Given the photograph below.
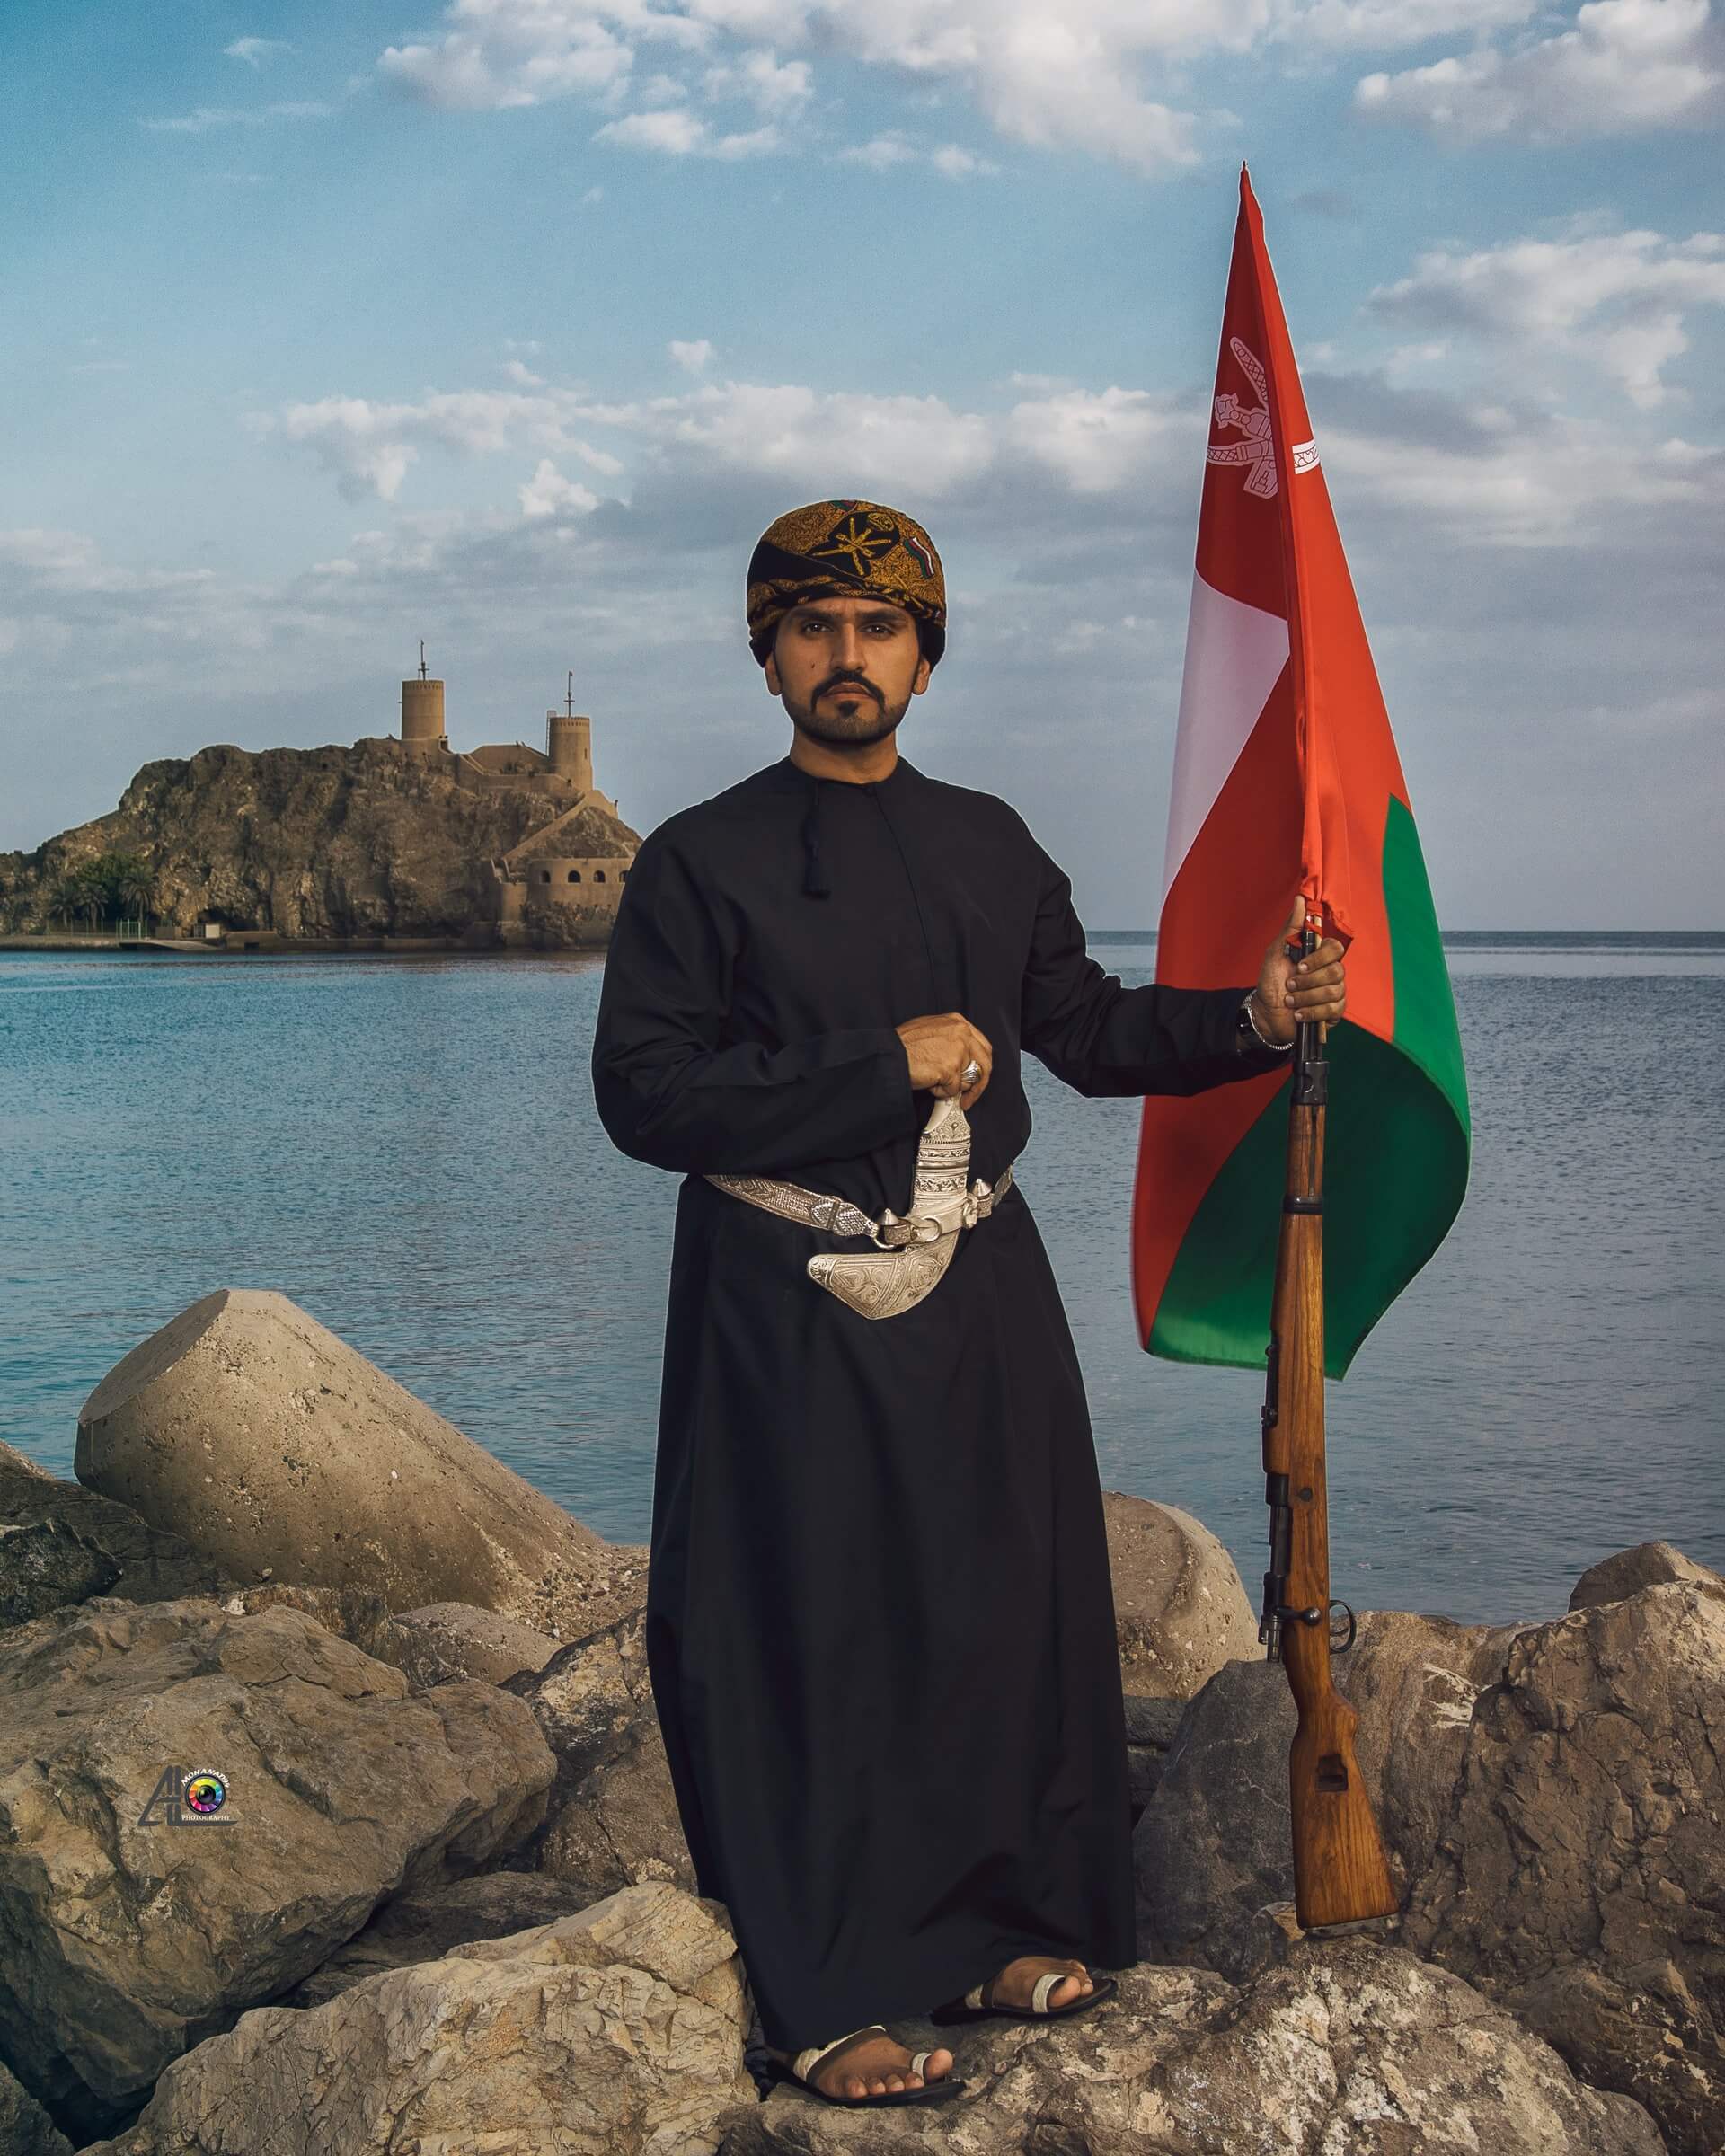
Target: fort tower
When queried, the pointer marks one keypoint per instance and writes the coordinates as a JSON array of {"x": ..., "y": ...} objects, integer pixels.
[
  {"x": 422, "y": 712},
  {"x": 569, "y": 742}
]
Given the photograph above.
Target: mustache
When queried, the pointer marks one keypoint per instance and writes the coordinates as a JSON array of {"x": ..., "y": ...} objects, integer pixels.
[{"x": 847, "y": 680}]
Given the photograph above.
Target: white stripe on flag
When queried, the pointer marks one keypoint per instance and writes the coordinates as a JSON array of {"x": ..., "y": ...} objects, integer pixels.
[{"x": 1234, "y": 654}]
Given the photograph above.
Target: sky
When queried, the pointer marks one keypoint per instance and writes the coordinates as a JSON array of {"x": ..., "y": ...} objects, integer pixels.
[{"x": 509, "y": 324}]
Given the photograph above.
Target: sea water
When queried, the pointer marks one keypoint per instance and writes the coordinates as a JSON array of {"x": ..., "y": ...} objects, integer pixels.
[{"x": 407, "y": 1147}]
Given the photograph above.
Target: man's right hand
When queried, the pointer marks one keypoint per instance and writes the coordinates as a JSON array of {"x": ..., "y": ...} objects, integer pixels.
[{"x": 938, "y": 1048}]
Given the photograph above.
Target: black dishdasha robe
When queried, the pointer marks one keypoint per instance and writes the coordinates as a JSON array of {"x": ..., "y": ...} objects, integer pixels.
[{"x": 880, "y": 1623}]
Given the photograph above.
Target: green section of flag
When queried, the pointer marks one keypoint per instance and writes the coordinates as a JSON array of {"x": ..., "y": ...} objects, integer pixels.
[
  {"x": 1425, "y": 1007},
  {"x": 1396, "y": 1147}
]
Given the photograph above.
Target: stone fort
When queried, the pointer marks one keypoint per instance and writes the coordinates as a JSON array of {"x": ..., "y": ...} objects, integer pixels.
[{"x": 557, "y": 863}]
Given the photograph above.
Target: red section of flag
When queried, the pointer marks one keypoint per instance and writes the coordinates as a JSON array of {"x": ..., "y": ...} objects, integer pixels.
[{"x": 1305, "y": 803}]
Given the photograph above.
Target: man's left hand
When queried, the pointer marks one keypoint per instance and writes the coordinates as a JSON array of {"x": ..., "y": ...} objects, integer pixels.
[{"x": 1291, "y": 989}]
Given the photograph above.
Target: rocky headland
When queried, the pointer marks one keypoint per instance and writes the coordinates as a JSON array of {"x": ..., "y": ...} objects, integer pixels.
[
  {"x": 447, "y": 1906},
  {"x": 323, "y": 845}
]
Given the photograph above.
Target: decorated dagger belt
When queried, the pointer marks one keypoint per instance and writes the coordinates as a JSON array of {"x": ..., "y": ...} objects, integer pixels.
[{"x": 916, "y": 1248}]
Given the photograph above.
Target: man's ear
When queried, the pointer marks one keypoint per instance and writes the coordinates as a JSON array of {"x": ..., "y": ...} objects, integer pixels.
[
  {"x": 919, "y": 680},
  {"x": 773, "y": 685}
]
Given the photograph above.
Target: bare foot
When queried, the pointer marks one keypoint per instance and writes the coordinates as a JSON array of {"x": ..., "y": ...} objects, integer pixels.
[
  {"x": 1015, "y": 1984},
  {"x": 872, "y": 2066}
]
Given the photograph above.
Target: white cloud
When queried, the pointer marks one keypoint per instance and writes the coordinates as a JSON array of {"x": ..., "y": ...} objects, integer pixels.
[
  {"x": 692, "y": 357},
  {"x": 370, "y": 447},
  {"x": 1094, "y": 76},
  {"x": 774, "y": 90},
  {"x": 1382, "y": 25},
  {"x": 208, "y": 117},
  {"x": 548, "y": 492},
  {"x": 1616, "y": 300},
  {"x": 953, "y": 162},
  {"x": 677, "y": 133},
  {"x": 788, "y": 431},
  {"x": 1627, "y": 66},
  {"x": 1098, "y": 442},
  {"x": 1559, "y": 484},
  {"x": 509, "y": 53},
  {"x": 255, "y": 51},
  {"x": 1516, "y": 475},
  {"x": 881, "y": 153},
  {"x": 523, "y": 377}
]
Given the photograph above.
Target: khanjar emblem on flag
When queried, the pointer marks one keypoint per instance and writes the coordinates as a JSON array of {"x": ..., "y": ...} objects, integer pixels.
[
  {"x": 1287, "y": 777},
  {"x": 1257, "y": 452}
]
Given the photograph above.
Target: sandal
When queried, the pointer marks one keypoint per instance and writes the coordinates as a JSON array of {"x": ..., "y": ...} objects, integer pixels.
[
  {"x": 978, "y": 2005},
  {"x": 799, "y": 2070}
]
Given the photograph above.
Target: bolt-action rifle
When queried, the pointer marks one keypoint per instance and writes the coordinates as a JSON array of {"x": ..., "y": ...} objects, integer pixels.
[{"x": 1340, "y": 1874}]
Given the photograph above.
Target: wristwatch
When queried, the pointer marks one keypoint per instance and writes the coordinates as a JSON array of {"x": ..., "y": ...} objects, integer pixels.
[{"x": 1246, "y": 1029}]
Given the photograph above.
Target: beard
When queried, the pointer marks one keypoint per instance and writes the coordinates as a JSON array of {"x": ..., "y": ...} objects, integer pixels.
[{"x": 846, "y": 721}]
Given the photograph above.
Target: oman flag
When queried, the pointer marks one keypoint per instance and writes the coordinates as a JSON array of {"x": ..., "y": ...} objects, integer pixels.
[{"x": 1285, "y": 780}]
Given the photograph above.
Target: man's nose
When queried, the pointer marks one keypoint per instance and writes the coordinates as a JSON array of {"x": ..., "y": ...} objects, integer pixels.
[{"x": 848, "y": 654}]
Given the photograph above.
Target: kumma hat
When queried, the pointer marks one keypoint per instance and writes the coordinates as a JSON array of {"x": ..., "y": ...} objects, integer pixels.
[{"x": 845, "y": 550}]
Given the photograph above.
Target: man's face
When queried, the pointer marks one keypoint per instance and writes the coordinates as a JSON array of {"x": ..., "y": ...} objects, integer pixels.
[{"x": 847, "y": 668}]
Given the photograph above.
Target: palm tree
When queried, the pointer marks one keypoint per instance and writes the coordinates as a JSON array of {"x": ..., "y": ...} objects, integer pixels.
[
  {"x": 92, "y": 887},
  {"x": 135, "y": 888},
  {"x": 67, "y": 895}
]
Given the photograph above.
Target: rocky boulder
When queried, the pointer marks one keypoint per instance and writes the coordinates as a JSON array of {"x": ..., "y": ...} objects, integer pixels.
[
  {"x": 453, "y": 1640},
  {"x": 1213, "y": 1849},
  {"x": 1647, "y": 1565},
  {"x": 618, "y": 2031},
  {"x": 428, "y": 1924},
  {"x": 1580, "y": 1877},
  {"x": 1348, "y": 2049},
  {"x": 275, "y": 1449},
  {"x": 613, "y": 1816},
  {"x": 1179, "y": 1609},
  {"x": 131, "y": 1926},
  {"x": 25, "y": 2128},
  {"x": 61, "y": 1544},
  {"x": 1211, "y": 1854}
]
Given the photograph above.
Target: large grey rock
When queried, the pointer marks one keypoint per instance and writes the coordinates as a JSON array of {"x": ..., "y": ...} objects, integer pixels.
[
  {"x": 356, "y": 1614},
  {"x": 1580, "y": 1878},
  {"x": 426, "y": 1925},
  {"x": 61, "y": 1544},
  {"x": 276, "y": 1449},
  {"x": 1647, "y": 1565},
  {"x": 126, "y": 1937},
  {"x": 615, "y": 2032},
  {"x": 613, "y": 1816},
  {"x": 1151, "y": 1727},
  {"x": 1214, "y": 1849},
  {"x": 1180, "y": 1610},
  {"x": 1414, "y": 1683},
  {"x": 25, "y": 2128},
  {"x": 453, "y": 1640},
  {"x": 1345, "y": 2050},
  {"x": 1212, "y": 1855}
]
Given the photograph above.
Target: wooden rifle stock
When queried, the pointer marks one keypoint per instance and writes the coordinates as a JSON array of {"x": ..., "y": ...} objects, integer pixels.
[{"x": 1340, "y": 1874}]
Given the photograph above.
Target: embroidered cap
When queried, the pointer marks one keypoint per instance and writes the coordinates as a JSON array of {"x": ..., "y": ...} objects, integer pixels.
[{"x": 845, "y": 550}]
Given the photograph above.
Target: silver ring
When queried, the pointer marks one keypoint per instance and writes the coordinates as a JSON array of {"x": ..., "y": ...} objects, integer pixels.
[{"x": 971, "y": 1072}]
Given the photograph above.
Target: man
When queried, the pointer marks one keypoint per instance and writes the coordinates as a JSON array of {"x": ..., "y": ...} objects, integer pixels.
[{"x": 880, "y": 1623}]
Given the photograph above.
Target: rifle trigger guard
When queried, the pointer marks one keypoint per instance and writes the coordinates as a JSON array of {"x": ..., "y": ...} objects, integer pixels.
[{"x": 1341, "y": 1647}]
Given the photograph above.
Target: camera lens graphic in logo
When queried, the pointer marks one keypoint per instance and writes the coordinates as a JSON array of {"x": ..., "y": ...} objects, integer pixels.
[{"x": 205, "y": 1791}]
